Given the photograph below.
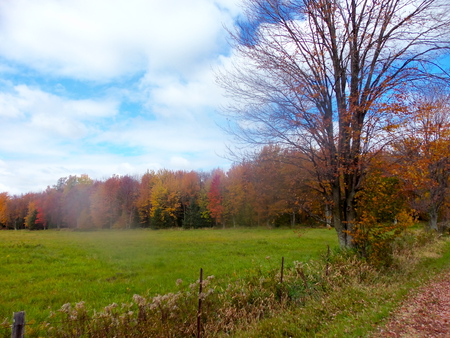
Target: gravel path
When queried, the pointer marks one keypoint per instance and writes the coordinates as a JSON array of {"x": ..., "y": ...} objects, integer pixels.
[{"x": 425, "y": 314}]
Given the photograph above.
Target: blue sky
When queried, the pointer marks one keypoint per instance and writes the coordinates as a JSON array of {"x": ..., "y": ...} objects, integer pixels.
[{"x": 103, "y": 87}]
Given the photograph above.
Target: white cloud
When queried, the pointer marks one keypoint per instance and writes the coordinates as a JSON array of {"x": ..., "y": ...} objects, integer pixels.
[
  {"x": 168, "y": 96},
  {"x": 11, "y": 105},
  {"x": 23, "y": 99},
  {"x": 103, "y": 39},
  {"x": 168, "y": 136},
  {"x": 34, "y": 116},
  {"x": 145, "y": 70},
  {"x": 179, "y": 162}
]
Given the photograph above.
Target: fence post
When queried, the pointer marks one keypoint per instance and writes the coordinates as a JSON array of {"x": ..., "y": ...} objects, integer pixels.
[
  {"x": 282, "y": 270},
  {"x": 280, "y": 289},
  {"x": 328, "y": 261},
  {"x": 199, "y": 312},
  {"x": 18, "y": 328}
]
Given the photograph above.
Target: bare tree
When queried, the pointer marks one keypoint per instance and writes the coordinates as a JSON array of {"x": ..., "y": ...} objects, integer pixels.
[{"x": 326, "y": 78}]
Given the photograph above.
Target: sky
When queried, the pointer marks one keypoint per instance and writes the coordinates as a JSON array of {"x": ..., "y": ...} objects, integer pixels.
[{"x": 110, "y": 87}]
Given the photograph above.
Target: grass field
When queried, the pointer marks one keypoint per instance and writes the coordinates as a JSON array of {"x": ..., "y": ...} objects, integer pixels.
[{"x": 43, "y": 270}]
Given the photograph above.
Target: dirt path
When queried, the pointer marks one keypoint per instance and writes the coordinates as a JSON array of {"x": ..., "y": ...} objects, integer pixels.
[{"x": 425, "y": 314}]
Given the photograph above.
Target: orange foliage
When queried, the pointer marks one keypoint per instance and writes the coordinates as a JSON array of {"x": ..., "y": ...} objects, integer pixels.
[
  {"x": 423, "y": 154},
  {"x": 383, "y": 215},
  {"x": 215, "y": 197}
]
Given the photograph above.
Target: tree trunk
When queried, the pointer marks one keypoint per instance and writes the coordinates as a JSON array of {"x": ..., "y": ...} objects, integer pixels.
[
  {"x": 343, "y": 217},
  {"x": 433, "y": 221},
  {"x": 337, "y": 217},
  {"x": 328, "y": 215}
]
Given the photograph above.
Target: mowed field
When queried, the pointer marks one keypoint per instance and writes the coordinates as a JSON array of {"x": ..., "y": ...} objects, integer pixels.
[{"x": 42, "y": 270}]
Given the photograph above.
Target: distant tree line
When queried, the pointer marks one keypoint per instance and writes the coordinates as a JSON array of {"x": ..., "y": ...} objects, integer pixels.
[
  {"x": 255, "y": 192},
  {"x": 267, "y": 189}
]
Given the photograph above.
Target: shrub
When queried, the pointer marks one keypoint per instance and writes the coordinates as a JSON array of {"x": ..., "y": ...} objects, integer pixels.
[{"x": 374, "y": 240}]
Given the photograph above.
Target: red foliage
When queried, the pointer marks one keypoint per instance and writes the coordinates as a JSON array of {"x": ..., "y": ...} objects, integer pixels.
[
  {"x": 215, "y": 198},
  {"x": 40, "y": 218}
]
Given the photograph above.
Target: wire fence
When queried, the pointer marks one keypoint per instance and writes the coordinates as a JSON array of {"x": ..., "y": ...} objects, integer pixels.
[{"x": 19, "y": 325}]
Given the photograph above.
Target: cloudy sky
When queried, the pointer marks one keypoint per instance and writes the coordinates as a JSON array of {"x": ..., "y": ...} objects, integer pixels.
[{"x": 103, "y": 87}]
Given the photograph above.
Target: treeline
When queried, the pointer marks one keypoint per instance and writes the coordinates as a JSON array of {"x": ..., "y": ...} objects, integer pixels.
[
  {"x": 258, "y": 192},
  {"x": 276, "y": 187}
]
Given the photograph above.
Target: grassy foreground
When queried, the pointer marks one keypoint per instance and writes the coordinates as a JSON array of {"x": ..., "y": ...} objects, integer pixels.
[
  {"x": 333, "y": 295},
  {"x": 43, "y": 270}
]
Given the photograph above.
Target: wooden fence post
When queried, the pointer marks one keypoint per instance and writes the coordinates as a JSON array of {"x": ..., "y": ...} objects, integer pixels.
[
  {"x": 199, "y": 312},
  {"x": 18, "y": 328},
  {"x": 280, "y": 286},
  {"x": 328, "y": 261}
]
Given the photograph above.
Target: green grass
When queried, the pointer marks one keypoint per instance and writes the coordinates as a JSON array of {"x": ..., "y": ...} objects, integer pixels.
[
  {"x": 43, "y": 270},
  {"x": 352, "y": 307}
]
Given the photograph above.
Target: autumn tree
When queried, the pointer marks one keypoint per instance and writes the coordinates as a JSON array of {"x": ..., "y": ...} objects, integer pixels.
[
  {"x": 105, "y": 209},
  {"x": 51, "y": 202},
  {"x": 327, "y": 78},
  {"x": 236, "y": 197},
  {"x": 30, "y": 218},
  {"x": 18, "y": 209},
  {"x": 203, "y": 218},
  {"x": 382, "y": 211},
  {"x": 270, "y": 188},
  {"x": 215, "y": 197},
  {"x": 76, "y": 200},
  {"x": 423, "y": 152},
  {"x": 40, "y": 220},
  {"x": 127, "y": 195},
  {"x": 165, "y": 201},
  {"x": 4, "y": 199},
  {"x": 304, "y": 193},
  {"x": 190, "y": 190},
  {"x": 144, "y": 199}
]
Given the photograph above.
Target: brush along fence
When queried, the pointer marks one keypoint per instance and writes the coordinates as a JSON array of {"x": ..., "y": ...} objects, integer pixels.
[{"x": 204, "y": 308}]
